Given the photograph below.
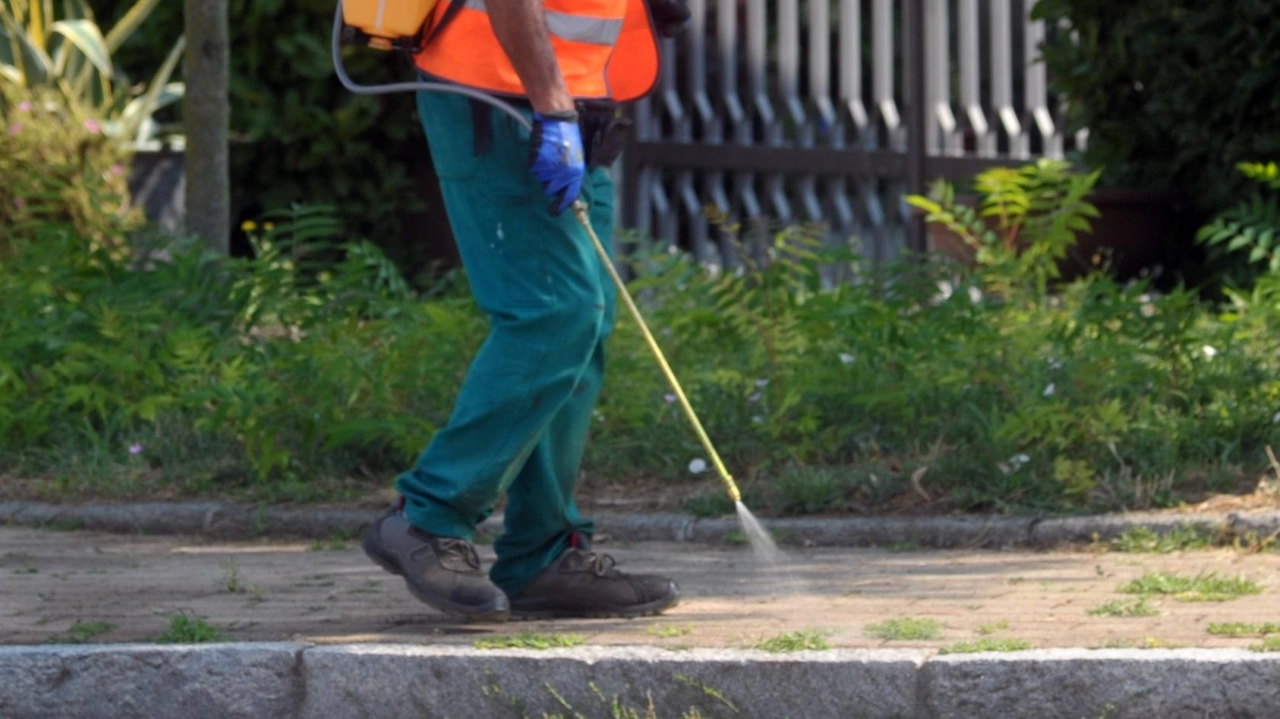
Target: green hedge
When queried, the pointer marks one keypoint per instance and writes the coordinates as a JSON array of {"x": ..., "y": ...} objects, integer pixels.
[{"x": 1174, "y": 92}]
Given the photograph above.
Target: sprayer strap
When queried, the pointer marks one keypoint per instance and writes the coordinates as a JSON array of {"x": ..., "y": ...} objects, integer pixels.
[{"x": 455, "y": 7}]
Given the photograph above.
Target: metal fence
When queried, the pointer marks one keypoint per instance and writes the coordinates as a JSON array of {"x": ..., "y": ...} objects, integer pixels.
[{"x": 773, "y": 112}]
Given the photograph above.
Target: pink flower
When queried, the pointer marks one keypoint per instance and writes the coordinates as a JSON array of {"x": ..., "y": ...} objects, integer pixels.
[
  {"x": 117, "y": 169},
  {"x": 24, "y": 106},
  {"x": 670, "y": 397},
  {"x": 135, "y": 449},
  {"x": 92, "y": 126},
  {"x": 19, "y": 203},
  {"x": 15, "y": 128}
]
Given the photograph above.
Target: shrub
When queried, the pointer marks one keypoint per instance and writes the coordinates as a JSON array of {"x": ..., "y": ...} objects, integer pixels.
[
  {"x": 1174, "y": 92},
  {"x": 58, "y": 169}
]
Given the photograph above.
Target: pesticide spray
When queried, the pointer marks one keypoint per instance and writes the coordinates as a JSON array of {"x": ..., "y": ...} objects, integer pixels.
[{"x": 368, "y": 22}]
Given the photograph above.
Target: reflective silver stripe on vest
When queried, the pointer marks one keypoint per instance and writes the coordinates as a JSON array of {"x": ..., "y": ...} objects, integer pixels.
[{"x": 574, "y": 28}]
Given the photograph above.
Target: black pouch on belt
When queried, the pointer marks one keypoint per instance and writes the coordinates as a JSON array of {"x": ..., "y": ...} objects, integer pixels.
[{"x": 604, "y": 131}]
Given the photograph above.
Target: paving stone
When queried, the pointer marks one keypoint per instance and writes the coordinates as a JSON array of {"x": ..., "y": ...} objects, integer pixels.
[
  {"x": 228, "y": 681},
  {"x": 1110, "y": 684},
  {"x": 455, "y": 683}
]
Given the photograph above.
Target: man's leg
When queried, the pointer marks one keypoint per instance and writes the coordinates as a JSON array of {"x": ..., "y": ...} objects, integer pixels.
[{"x": 541, "y": 516}]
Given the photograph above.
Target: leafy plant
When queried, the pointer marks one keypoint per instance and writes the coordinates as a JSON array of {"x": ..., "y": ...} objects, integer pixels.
[
  {"x": 1139, "y": 607},
  {"x": 1200, "y": 588},
  {"x": 1179, "y": 538},
  {"x": 804, "y": 640},
  {"x": 1240, "y": 629},
  {"x": 71, "y": 55},
  {"x": 1025, "y": 221},
  {"x": 185, "y": 629},
  {"x": 905, "y": 628},
  {"x": 1253, "y": 224},
  {"x": 530, "y": 640},
  {"x": 986, "y": 644}
]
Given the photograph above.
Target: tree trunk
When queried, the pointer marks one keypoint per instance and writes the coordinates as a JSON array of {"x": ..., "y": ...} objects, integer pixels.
[{"x": 206, "y": 111}]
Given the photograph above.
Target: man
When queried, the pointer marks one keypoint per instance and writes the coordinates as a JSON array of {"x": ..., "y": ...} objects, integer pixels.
[{"x": 522, "y": 415}]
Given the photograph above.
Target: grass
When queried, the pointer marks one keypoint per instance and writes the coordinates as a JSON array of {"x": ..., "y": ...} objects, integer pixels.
[
  {"x": 670, "y": 631},
  {"x": 81, "y": 632},
  {"x": 336, "y": 543},
  {"x": 189, "y": 630},
  {"x": 27, "y": 570},
  {"x": 801, "y": 641},
  {"x": 1139, "y": 607},
  {"x": 1148, "y": 541},
  {"x": 1200, "y": 588},
  {"x": 1240, "y": 629},
  {"x": 905, "y": 628},
  {"x": 530, "y": 640},
  {"x": 1143, "y": 643},
  {"x": 987, "y": 644},
  {"x": 986, "y": 629},
  {"x": 231, "y": 576},
  {"x": 1270, "y": 644}
]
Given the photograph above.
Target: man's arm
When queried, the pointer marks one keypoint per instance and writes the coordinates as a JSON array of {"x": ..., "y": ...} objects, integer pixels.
[{"x": 521, "y": 28}]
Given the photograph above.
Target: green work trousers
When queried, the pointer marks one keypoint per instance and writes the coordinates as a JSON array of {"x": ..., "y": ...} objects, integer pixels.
[{"x": 523, "y": 412}]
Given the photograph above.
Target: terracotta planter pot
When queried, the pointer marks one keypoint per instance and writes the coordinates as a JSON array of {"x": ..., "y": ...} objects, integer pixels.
[{"x": 1138, "y": 229}]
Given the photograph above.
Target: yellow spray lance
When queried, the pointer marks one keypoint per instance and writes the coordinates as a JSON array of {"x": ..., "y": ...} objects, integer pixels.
[{"x": 384, "y": 24}]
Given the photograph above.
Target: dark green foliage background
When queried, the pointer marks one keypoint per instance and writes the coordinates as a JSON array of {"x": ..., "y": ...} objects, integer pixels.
[
  {"x": 1174, "y": 92},
  {"x": 300, "y": 137}
]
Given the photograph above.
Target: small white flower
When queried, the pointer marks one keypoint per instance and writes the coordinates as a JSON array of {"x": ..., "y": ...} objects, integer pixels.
[
  {"x": 1048, "y": 391},
  {"x": 846, "y": 358},
  {"x": 1148, "y": 310},
  {"x": 975, "y": 295},
  {"x": 1144, "y": 299},
  {"x": 670, "y": 397},
  {"x": 599, "y": 417},
  {"x": 1276, "y": 419},
  {"x": 1054, "y": 363},
  {"x": 762, "y": 383},
  {"x": 697, "y": 466},
  {"x": 945, "y": 290},
  {"x": 1209, "y": 351},
  {"x": 757, "y": 419},
  {"x": 754, "y": 398}
]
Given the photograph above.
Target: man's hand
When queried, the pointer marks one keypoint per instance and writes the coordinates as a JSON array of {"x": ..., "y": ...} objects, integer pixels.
[{"x": 556, "y": 157}]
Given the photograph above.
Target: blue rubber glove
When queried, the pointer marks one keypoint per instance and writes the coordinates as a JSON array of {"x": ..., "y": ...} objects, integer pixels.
[{"x": 556, "y": 158}]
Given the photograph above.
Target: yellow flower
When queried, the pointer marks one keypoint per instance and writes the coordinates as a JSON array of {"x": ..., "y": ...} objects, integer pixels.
[
  {"x": 268, "y": 226},
  {"x": 249, "y": 226}
]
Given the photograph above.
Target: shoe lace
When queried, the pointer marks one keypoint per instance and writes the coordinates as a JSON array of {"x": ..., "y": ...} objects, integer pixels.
[
  {"x": 454, "y": 551},
  {"x": 601, "y": 565}
]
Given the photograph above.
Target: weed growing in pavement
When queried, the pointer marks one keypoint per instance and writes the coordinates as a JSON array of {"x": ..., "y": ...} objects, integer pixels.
[
  {"x": 81, "y": 632},
  {"x": 907, "y": 545},
  {"x": 231, "y": 576},
  {"x": 1139, "y": 607},
  {"x": 1200, "y": 588},
  {"x": 804, "y": 640},
  {"x": 184, "y": 629},
  {"x": 1270, "y": 644},
  {"x": 987, "y": 644},
  {"x": 1181, "y": 537},
  {"x": 337, "y": 542},
  {"x": 905, "y": 628},
  {"x": 670, "y": 631},
  {"x": 999, "y": 626},
  {"x": 707, "y": 689},
  {"x": 27, "y": 570},
  {"x": 1240, "y": 629},
  {"x": 530, "y": 640}
]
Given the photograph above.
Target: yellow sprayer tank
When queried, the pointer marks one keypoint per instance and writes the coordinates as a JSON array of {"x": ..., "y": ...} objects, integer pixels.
[{"x": 386, "y": 21}]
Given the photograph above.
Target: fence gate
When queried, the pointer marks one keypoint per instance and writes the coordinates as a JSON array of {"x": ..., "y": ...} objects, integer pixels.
[{"x": 772, "y": 112}]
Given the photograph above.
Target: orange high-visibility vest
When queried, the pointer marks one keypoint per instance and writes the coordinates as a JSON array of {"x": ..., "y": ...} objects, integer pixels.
[{"x": 606, "y": 49}]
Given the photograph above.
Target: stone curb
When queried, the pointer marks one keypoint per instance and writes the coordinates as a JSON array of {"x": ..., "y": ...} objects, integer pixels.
[
  {"x": 387, "y": 681},
  {"x": 231, "y": 521}
]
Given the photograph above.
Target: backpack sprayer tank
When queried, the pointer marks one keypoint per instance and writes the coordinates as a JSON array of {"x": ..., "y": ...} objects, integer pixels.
[{"x": 385, "y": 24}]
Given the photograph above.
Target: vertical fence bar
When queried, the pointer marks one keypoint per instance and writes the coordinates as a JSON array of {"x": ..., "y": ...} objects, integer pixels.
[
  {"x": 917, "y": 106},
  {"x": 941, "y": 123},
  {"x": 1002, "y": 77},
  {"x": 882, "y": 72},
  {"x": 971, "y": 78},
  {"x": 1037, "y": 88}
]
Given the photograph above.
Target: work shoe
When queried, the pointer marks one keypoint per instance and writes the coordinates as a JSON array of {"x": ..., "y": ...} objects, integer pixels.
[
  {"x": 582, "y": 583},
  {"x": 443, "y": 572}
]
